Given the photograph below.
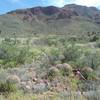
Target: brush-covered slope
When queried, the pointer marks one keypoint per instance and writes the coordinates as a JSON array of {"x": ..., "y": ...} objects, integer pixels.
[{"x": 68, "y": 19}]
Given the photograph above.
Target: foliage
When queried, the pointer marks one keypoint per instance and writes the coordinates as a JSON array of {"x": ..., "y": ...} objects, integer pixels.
[
  {"x": 7, "y": 87},
  {"x": 74, "y": 83},
  {"x": 72, "y": 52},
  {"x": 98, "y": 44},
  {"x": 94, "y": 38},
  {"x": 12, "y": 54},
  {"x": 91, "y": 59}
]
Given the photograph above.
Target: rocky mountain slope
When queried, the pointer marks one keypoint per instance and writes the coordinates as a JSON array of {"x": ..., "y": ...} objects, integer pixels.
[{"x": 68, "y": 19}]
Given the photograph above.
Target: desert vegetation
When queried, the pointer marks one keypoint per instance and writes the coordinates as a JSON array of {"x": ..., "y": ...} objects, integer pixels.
[{"x": 50, "y": 67}]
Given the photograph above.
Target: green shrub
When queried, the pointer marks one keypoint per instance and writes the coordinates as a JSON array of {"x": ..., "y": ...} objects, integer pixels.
[
  {"x": 10, "y": 64},
  {"x": 88, "y": 73},
  {"x": 89, "y": 76},
  {"x": 98, "y": 44},
  {"x": 74, "y": 83},
  {"x": 7, "y": 88},
  {"x": 12, "y": 54},
  {"x": 52, "y": 55},
  {"x": 51, "y": 41},
  {"x": 94, "y": 38},
  {"x": 71, "y": 52},
  {"x": 92, "y": 59}
]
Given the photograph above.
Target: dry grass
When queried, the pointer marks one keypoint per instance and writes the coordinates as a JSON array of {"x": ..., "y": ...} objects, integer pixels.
[{"x": 45, "y": 96}]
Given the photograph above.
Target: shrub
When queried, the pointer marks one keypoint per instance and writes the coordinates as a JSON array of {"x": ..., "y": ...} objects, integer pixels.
[
  {"x": 3, "y": 75},
  {"x": 88, "y": 73},
  {"x": 7, "y": 88},
  {"x": 71, "y": 52},
  {"x": 92, "y": 59},
  {"x": 3, "y": 54},
  {"x": 98, "y": 44},
  {"x": 94, "y": 38},
  {"x": 10, "y": 64},
  {"x": 51, "y": 56},
  {"x": 74, "y": 83},
  {"x": 11, "y": 54},
  {"x": 51, "y": 41},
  {"x": 89, "y": 58}
]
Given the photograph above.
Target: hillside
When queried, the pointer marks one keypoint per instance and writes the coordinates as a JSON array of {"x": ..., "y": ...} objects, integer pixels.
[
  {"x": 50, "y": 53},
  {"x": 68, "y": 19}
]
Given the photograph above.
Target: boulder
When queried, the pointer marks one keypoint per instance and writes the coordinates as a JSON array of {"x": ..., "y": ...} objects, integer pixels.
[
  {"x": 26, "y": 88},
  {"x": 39, "y": 88},
  {"x": 23, "y": 83},
  {"x": 29, "y": 83}
]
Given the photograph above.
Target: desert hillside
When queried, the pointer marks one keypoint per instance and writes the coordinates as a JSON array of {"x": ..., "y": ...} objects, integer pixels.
[
  {"x": 50, "y": 53},
  {"x": 71, "y": 18}
]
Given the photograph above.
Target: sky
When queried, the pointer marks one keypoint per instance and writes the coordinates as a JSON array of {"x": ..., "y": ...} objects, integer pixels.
[{"x": 9, "y": 5}]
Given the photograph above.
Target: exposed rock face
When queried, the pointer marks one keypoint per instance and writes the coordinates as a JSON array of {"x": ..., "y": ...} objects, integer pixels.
[
  {"x": 45, "y": 10},
  {"x": 33, "y": 87},
  {"x": 51, "y": 19},
  {"x": 52, "y": 12},
  {"x": 38, "y": 88},
  {"x": 25, "y": 87}
]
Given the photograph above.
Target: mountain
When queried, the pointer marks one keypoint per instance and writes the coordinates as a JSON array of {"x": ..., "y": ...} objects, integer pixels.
[{"x": 71, "y": 18}]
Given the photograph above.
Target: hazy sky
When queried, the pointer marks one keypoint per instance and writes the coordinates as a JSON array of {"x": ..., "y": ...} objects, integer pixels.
[{"x": 8, "y": 5}]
